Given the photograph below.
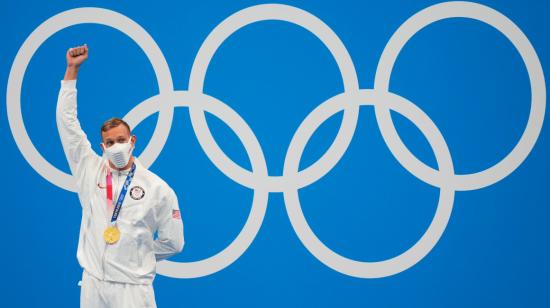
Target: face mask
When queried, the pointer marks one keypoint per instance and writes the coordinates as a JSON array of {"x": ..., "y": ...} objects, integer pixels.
[{"x": 119, "y": 153}]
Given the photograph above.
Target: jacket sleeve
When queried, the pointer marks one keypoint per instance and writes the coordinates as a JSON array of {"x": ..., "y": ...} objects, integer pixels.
[
  {"x": 170, "y": 230},
  {"x": 76, "y": 146}
]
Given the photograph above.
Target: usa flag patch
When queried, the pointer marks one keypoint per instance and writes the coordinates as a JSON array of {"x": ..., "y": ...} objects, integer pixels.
[{"x": 176, "y": 214}]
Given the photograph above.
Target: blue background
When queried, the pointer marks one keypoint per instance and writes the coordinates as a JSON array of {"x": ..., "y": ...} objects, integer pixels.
[{"x": 464, "y": 74}]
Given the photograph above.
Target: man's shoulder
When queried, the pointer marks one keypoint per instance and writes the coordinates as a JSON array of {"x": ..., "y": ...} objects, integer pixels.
[{"x": 155, "y": 182}]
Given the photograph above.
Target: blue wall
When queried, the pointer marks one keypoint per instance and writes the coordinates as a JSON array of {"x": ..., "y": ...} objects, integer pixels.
[{"x": 465, "y": 75}]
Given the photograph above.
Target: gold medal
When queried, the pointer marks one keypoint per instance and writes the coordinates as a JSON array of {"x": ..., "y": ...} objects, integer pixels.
[{"x": 111, "y": 235}]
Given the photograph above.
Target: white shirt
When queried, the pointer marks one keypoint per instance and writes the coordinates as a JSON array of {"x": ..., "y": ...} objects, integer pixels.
[{"x": 150, "y": 206}]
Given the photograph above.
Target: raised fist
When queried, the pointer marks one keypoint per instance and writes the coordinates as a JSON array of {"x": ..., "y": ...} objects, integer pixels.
[{"x": 77, "y": 55}]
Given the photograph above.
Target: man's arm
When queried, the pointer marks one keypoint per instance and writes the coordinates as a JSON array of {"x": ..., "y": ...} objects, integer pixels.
[
  {"x": 75, "y": 142},
  {"x": 170, "y": 231}
]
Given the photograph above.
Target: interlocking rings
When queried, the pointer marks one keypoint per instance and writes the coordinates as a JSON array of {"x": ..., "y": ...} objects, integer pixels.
[{"x": 293, "y": 179}]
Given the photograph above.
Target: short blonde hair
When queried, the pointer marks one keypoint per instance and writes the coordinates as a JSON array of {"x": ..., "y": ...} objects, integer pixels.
[{"x": 114, "y": 122}]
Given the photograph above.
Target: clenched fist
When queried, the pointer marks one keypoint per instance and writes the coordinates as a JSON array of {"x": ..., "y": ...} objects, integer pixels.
[{"x": 77, "y": 55}]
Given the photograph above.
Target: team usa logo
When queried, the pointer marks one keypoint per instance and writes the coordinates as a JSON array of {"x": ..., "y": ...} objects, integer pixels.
[{"x": 137, "y": 193}]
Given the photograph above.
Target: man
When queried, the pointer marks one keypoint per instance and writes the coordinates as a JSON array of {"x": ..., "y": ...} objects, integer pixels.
[{"x": 123, "y": 206}]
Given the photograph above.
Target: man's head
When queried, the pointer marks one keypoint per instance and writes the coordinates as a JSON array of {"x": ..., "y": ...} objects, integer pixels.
[{"x": 117, "y": 142}]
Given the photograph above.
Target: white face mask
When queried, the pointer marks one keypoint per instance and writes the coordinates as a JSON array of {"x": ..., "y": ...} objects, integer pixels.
[{"x": 119, "y": 153}]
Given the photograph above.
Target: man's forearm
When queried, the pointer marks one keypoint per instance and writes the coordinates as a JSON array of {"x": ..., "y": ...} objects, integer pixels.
[{"x": 71, "y": 73}]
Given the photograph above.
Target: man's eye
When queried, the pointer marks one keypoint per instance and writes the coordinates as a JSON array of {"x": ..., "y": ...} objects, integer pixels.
[{"x": 109, "y": 143}]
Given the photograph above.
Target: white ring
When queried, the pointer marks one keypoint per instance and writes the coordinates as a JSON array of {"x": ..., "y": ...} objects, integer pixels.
[
  {"x": 314, "y": 25},
  {"x": 500, "y": 22},
  {"x": 432, "y": 235},
  {"x": 259, "y": 204},
  {"x": 36, "y": 39}
]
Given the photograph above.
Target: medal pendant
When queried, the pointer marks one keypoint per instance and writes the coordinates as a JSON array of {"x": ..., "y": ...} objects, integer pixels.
[{"x": 111, "y": 235}]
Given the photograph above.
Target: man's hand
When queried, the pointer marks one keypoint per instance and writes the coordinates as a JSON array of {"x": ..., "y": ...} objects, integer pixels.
[{"x": 75, "y": 57}]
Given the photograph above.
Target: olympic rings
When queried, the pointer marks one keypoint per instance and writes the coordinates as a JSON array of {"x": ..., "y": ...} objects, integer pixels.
[{"x": 293, "y": 179}]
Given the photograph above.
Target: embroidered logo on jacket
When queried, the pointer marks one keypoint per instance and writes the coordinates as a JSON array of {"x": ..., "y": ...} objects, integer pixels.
[{"x": 137, "y": 192}]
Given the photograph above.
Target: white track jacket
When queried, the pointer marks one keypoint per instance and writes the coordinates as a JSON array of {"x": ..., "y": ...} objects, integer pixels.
[{"x": 150, "y": 206}]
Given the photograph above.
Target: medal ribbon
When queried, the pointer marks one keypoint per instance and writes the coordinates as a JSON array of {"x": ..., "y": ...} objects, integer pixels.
[
  {"x": 122, "y": 194},
  {"x": 109, "y": 190}
]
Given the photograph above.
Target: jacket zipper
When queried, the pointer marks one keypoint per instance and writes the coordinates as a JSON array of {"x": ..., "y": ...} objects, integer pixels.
[{"x": 105, "y": 245}]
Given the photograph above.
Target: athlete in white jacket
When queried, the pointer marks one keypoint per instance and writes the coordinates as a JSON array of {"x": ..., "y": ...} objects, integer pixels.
[{"x": 118, "y": 253}]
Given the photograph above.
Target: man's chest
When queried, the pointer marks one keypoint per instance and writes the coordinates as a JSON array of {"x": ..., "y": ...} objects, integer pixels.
[{"x": 133, "y": 204}]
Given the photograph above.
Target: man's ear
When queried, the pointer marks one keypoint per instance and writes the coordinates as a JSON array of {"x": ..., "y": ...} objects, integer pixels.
[{"x": 133, "y": 139}]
